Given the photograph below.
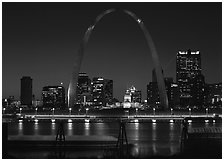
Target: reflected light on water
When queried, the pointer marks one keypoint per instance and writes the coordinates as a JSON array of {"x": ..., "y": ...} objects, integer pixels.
[
  {"x": 36, "y": 121},
  {"x": 135, "y": 150},
  {"x": 53, "y": 126},
  {"x": 206, "y": 121},
  {"x": 154, "y": 148},
  {"x": 136, "y": 125},
  {"x": 171, "y": 132},
  {"x": 86, "y": 128},
  {"x": 154, "y": 121},
  {"x": 101, "y": 128},
  {"x": 172, "y": 149},
  {"x": 36, "y": 126},
  {"x": 154, "y": 131},
  {"x": 69, "y": 129},
  {"x": 20, "y": 128}
]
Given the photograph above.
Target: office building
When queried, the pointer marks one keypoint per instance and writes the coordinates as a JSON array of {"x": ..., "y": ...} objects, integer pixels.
[
  {"x": 26, "y": 91},
  {"x": 198, "y": 91},
  {"x": 83, "y": 92},
  {"x": 102, "y": 91},
  {"x": 214, "y": 95},
  {"x": 53, "y": 97},
  {"x": 188, "y": 66},
  {"x": 174, "y": 96},
  {"x": 132, "y": 97}
]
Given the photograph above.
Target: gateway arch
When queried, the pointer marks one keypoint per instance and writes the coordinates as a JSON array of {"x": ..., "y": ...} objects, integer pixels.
[{"x": 78, "y": 60}]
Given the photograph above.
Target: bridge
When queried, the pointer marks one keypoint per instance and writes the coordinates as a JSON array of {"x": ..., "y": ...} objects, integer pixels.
[{"x": 129, "y": 118}]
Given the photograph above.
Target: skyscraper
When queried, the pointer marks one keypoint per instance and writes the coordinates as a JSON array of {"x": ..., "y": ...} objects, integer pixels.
[
  {"x": 102, "y": 91},
  {"x": 153, "y": 94},
  {"x": 97, "y": 91},
  {"x": 153, "y": 98},
  {"x": 83, "y": 95},
  {"x": 26, "y": 91},
  {"x": 53, "y": 97},
  {"x": 198, "y": 92},
  {"x": 188, "y": 66},
  {"x": 136, "y": 95},
  {"x": 108, "y": 91}
]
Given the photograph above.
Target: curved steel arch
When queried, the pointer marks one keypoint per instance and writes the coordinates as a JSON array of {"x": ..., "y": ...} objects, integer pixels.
[{"x": 78, "y": 60}]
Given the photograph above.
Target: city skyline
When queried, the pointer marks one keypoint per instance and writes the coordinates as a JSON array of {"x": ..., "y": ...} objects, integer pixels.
[{"x": 50, "y": 32}]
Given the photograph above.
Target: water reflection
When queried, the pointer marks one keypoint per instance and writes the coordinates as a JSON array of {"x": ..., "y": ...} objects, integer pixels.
[
  {"x": 53, "y": 126},
  {"x": 20, "y": 128},
  {"x": 154, "y": 149},
  {"x": 69, "y": 129},
  {"x": 148, "y": 138},
  {"x": 154, "y": 131},
  {"x": 101, "y": 128},
  {"x": 135, "y": 150},
  {"x": 36, "y": 128},
  {"x": 171, "y": 132},
  {"x": 172, "y": 149},
  {"x": 86, "y": 128}
]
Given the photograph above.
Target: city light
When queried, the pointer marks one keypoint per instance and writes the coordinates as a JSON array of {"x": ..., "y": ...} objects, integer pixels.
[
  {"x": 190, "y": 112},
  {"x": 36, "y": 121},
  {"x": 53, "y": 111},
  {"x": 70, "y": 110},
  {"x": 189, "y": 121},
  {"x": 87, "y": 111},
  {"x": 36, "y": 111},
  {"x": 171, "y": 111}
]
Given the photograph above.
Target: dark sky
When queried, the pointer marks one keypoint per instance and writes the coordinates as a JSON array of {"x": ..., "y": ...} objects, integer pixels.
[{"x": 41, "y": 39}]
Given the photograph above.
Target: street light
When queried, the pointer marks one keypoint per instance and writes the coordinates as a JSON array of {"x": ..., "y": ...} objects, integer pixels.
[
  {"x": 190, "y": 112},
  {"x": 20, "y": 111},
  {"x": 36, "y": 111},
  {"x": 207, "y": 112},
  {"x": 87, "y": 111},
  {"x": 171, "y": 111},
  {"x": 70, "y": 110},
  {"x": 53, "y": 111},
  {"x": 3, "y": 110},
  {"x": 154, "y": 111},
  {"x": 136, "y": 112}
]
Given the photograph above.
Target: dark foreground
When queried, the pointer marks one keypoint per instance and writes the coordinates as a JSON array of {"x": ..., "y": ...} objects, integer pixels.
[{"x": 162, "y": 140}]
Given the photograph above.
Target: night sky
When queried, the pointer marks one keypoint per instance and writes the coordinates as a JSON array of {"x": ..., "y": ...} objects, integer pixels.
[{"x": 41, "y": 39}]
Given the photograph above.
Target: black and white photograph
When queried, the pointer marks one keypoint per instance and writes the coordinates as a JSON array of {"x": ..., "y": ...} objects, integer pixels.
[{"x": 111, "y": 80}]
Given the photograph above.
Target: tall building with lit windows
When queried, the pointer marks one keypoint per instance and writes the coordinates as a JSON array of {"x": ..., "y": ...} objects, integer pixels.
[
  {"x": 83, "y": 95},
  {"x": 102, "y": 91},
  {"x": 26, "y": 91},
  {"x": 132, "y": 97},
  {"x": 188, "y": 66},
  {"x": 53, "y": 97}
]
